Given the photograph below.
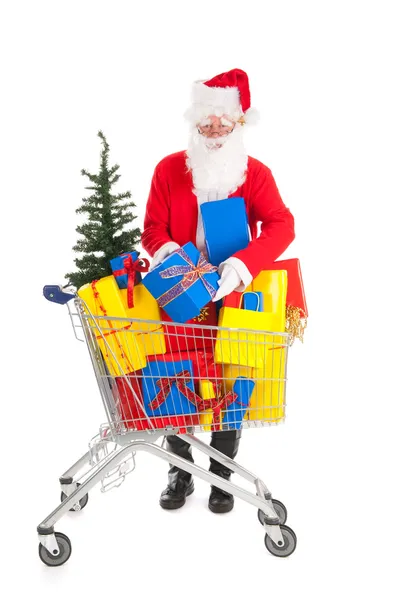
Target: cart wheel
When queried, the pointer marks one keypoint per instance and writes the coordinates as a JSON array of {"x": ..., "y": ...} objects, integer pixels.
[
  {"x": 64, "y": 545},
  {"x": 289, "y": 542},
  {"x": 82, "y": 502},
  {"x": 280, "y": 510}
]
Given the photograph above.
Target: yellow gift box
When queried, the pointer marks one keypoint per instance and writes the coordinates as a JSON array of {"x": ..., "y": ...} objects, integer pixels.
[
  {"x": 122, "y": 349},
  {"x": 145, "y": 307}
]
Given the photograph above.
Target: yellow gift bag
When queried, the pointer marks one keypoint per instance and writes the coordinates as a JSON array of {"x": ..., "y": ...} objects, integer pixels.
[
  {"x": 273, "y": 285},
  {"x": 267, "y": 402},
  {"x": 122, "y": 349},
  {"x": 268, "y": 398},
  {"x": 244, "y": 347},
  {"x": 146, "y": 308}
]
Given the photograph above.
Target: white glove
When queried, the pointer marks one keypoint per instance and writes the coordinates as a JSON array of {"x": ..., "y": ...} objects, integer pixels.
[
  {"x": 230, "y": 280},
  {"x": 162, "y": 254}
]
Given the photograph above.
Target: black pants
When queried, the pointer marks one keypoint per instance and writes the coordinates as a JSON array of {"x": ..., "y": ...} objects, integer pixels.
[{"x": 226, "y": 442}]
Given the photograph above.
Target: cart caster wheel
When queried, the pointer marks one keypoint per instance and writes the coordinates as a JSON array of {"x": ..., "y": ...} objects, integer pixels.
[
  {"x": 64, "y": 545},
  {"x": 289, "y": 542},
  {"x": 82, "y": 502},
  {"x": 280, "y": 510}
]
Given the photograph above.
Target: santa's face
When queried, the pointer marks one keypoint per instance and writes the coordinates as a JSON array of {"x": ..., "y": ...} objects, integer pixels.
[
  {"x": 216, "y": 156},
  {"x": 214, "y": 127}
]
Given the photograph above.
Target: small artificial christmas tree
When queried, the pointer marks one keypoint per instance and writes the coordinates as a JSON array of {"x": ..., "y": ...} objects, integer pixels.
[{"x": 103, "y": 234}]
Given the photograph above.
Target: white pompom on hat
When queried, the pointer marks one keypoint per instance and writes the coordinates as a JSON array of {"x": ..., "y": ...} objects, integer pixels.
[{"x": 227, "y": 93}]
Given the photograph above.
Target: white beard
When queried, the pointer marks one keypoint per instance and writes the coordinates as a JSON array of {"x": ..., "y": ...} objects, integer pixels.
[{"x": 217, "y": 172}]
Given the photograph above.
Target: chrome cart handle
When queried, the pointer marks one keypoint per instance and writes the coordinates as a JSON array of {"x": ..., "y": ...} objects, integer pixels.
[{"x": 58, "y": 294}]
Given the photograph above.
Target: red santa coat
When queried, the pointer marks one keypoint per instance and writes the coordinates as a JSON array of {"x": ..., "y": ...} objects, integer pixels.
[{"x": 172, "y": 212}]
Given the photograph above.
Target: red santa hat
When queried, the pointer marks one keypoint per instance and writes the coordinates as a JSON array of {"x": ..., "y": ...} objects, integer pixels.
[{"x": 227, "y": 93}]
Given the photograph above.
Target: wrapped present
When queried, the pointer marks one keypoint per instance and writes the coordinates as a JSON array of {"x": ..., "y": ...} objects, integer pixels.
[
  {"x": 295, "y": 289},
  {"x": 223, "y": 241},
  {"x": 296, "y": 306},
  {"x": 268, "y": 399},
  {"x": 213, "y": 402},
  {"x": 168, "y": 388},
  {"x": 203, "y": 364},
  {"x": 132, "y": 413},
  {"x": 122, "y": 349},
  {"x": 146, "y": 315},
  {"x": 127, "y": 269},
  {"x": 183, "y": 284},
  {"x": 235, "y": 411},
  {"x": 185, "y": 338}
]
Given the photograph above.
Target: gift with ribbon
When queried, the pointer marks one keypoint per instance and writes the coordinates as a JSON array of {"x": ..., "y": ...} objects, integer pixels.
[
  {"x": 146, "y": 318},
  {"x": 183, "y": 283},
  {"x": 221, "y": 409},
  {"x": 127, "y": 269},
  {"x": 168, "y": 388},
  {"x": 204, "y": 366},
  {"x": 213, "y": 402},
  {"x": 130, "y": 405},
  {"x": 121, "y": 347}
]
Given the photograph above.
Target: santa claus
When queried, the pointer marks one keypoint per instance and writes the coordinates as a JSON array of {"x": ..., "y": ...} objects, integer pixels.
[{"x": 214, "y": 167}]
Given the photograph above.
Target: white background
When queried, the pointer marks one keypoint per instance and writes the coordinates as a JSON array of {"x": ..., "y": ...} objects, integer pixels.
[{"x": 324, "y": 76}]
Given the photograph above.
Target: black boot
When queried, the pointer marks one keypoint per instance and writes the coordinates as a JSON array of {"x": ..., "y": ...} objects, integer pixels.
[
  {"x": 180, "y": 483},
  {"x": 226, "y": 442}
]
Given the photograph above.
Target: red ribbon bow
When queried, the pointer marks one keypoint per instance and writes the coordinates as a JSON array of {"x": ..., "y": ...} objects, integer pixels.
[
  {"x": 217, "y": 405},
  {"x": 165, "y": 384},
  {"x": 131, "y": 267}
]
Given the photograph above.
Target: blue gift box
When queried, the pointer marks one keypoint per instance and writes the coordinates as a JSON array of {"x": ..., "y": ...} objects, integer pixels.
[
  {"x": 183, "y": 284},
  {"x": 226, "y": 228},
  {"x": 161, "y": 375},
  {"x": 235, "y": 412},
  {"x": 117, "y": 264}
]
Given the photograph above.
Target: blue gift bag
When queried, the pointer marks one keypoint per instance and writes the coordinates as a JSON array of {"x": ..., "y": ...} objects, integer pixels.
[
  {"x": 235, "y": 412},
  {"x": 253, "y": 301}
]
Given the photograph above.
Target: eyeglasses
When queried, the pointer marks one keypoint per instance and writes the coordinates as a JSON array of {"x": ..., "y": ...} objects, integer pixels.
[{"x": 225, "y": 127}]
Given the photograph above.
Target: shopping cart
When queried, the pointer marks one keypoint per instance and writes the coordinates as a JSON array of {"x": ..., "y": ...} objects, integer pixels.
[{"x": 219, "y": 379}]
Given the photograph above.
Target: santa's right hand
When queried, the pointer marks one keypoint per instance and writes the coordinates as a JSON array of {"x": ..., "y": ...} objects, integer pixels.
[{"x": 162, "y": 254}]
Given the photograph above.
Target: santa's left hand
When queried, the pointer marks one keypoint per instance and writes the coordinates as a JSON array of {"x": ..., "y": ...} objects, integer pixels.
[{"x": 230, "y": 280}]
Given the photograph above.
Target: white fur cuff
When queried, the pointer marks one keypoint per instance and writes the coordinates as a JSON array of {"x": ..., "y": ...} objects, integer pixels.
[{"x": 242, "y": 271}]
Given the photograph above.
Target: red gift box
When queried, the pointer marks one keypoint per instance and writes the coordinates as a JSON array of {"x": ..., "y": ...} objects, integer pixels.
[
  {"x": 185, "y": 338},
  {"x": 133, "y": 415},
  {"x": 295, "y": 291}
]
